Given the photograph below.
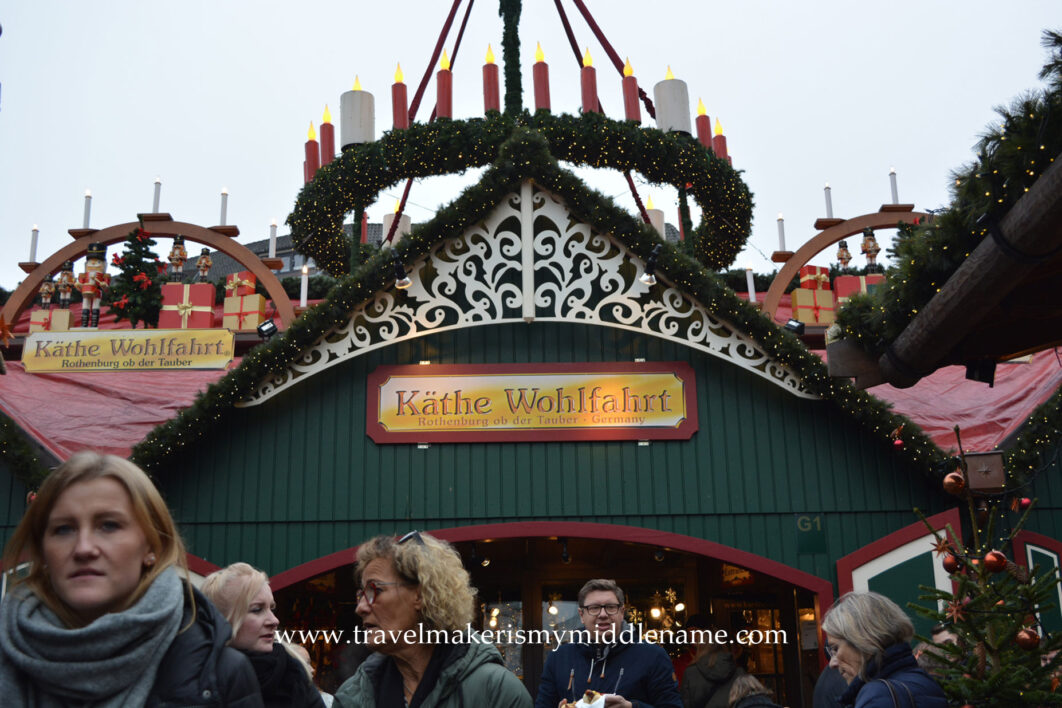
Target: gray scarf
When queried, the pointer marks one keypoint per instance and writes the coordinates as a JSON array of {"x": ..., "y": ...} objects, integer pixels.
[{"x": 111, "y": 662}]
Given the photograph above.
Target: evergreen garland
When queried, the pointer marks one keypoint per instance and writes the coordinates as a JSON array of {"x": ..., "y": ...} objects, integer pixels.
[
  {"x": 135, "y": 293},
  {"x": 1010, "y": 157},
  {"x": 514, "y": 90},
  {"x": 524, "y": 155},
  {"x": 18, "y": 455},
  {"x": 451, "y": 146}
]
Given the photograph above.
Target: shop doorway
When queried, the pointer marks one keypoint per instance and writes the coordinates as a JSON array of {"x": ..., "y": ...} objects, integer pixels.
[{"x": 530, "y": 582}]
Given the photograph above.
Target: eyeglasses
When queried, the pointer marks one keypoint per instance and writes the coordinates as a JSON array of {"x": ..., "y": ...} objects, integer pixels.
[
  {"x": 411, "y": 536},
  {"x": 831, "y": 650},
  {"x": 610, "y": 609},
  {"x": 372, "y": 590}
]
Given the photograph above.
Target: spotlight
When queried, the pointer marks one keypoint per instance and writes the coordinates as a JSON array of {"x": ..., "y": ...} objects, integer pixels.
[
  {"x": 658, "y": 555},
  {"x": 795, "y": 326},
  {"x": 485, "y": 562},
  {"x": 648, "y": 276},
  {"x": 680, "y": 607},
  {"x": 267, "y": 329},
  {"x": 402, "y": 280},
  {"x": 565, "y": 556}
]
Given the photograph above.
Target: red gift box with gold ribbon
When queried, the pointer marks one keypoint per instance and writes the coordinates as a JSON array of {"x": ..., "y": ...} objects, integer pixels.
[
  {"x": 187, "y": 306},
  {"x": 243, "y": 312},
  {"x": 845, "y": 286},
  {"x": 241, "y": 283},
  {"x": 813, "y": 306},
  {"x": 815, "y": 278}
]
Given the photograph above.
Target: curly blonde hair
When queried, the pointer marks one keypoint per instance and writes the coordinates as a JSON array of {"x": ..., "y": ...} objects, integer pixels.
[
  {"x": 232, "y": 589},
  {"x": 435, "y": 567}
]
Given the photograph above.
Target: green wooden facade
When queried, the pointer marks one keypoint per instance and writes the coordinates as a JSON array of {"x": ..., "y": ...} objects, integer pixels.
[{"x": 296, "y": 477}]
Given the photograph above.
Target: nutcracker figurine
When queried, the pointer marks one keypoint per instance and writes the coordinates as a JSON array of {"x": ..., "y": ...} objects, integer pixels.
[
  {"x": 871, "y": 249},
  {"x": 203, "y": 264},
  {"x": 66, "y": 284},
  {"x": 46, "y": 291},
  {"x": 92, "y": 283},
  {"x": 844, "y": 256},
  {"x": 178, "y": 255}
]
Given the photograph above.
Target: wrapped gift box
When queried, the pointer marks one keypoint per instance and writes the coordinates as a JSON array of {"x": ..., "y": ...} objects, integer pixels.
[
  {"x": 813, "y": 306},
  {"x": 241, "y": 283},
  {"x": 49, "y": 321},
  {"x": 187, "y": 306},
  {"x": 845, "y": 286},
  {"x": 243, "y": 312},
  {"x": 815, "y": 278}
]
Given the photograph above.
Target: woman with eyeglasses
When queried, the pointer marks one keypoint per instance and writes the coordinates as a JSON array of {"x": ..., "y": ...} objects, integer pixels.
[
  {"x": 106, "y": 615},
  {"x": 868, "y": 641},
  {"x": 243, "y": 595},
  {"x": 416, "y": 604}
]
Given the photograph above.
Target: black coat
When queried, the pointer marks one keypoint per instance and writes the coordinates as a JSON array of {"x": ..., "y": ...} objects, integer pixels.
[
  {"x": 901, "y": 671},
  {"x": 199, "y": 669},
  {"x": 283, "y": 680},
  {"x": 756, "y": 701}
]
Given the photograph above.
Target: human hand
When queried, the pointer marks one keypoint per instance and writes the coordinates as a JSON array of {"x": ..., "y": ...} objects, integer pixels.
[{"x": 613, "y": 700}]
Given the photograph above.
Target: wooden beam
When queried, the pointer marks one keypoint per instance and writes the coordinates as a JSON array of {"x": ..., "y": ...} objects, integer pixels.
[{"x": 1027, "y": 236}]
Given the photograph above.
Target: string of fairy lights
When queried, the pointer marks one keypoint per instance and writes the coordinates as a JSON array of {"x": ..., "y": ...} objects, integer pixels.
[{"x": 1011, "y": 156}]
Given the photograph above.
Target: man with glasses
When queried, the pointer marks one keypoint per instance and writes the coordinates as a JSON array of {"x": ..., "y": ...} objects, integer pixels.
[{"x": 607, "y": 659}]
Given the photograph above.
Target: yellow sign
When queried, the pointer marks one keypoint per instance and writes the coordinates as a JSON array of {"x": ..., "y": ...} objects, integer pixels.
[
  {"x": 127, "y": 350},
  {"x": 592, "y": 401}
]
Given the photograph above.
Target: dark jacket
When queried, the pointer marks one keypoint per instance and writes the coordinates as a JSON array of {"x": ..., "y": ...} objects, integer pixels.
[
  {"x": 907, "y": 679},
  {"x": 828, "y": 689},
  {"x": 640, "y": 672},
  {"x": 199, "y": 670},
  {"x": 757, "y": 701},
  {"x": 283, "y": 680},
  {"x": 706, "y": 683},
  {"x": 472, "y": 675}
]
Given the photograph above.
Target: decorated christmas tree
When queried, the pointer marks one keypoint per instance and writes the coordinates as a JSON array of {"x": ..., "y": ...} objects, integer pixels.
[
  {"x": 993, "y": 651},
  {"x": 136, "y": 292}
]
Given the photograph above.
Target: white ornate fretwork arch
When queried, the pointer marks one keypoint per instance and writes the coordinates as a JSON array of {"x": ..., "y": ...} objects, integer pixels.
[{"x": 530, "y": 260}]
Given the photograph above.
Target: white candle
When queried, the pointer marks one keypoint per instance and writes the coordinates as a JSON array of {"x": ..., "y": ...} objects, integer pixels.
[
  {"x": 88, "y": 208},
  {"x": 273, "y": 238},
  {"x": 751, "y": 283},
  {"x": 357, "y": 116},
  {"x": 892, "y": 183},
  {"x": 224, "y": 205},
  {"x": 829, "y": 202},
  {"x": 781, "y": 233},
  {"x": 404, "y": 227},
  {"x": 305, "y": 289},
  {"x": 33, "y": 244},
  {"x": 672, "y": 100},
  {"x": 158, "y": 196}
]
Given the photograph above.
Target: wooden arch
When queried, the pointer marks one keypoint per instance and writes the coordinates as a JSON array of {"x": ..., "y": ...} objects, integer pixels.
[
  {"x": 889, "y": 216},
  {"x": 27, "y": 291}
]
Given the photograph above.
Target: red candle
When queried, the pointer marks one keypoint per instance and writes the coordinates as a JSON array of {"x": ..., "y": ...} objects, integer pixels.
[
  {"x": 682, "y": 225},
  {"x": 491, "y": 86},
  {"x": 364, "y": 227},
  {"x": 588, "y": 82},
  {"x": 540, "y": 74},
  {"x": 704, "y": 125},
  {"x": 719, "y": 141},
  {"x": 313, "y": 154},
  {"x": 328, "y": 138},
  {"x": 444, "y": 89},
  {"x": 399, "y": 101},
  {"x": 631, "y": 109}
]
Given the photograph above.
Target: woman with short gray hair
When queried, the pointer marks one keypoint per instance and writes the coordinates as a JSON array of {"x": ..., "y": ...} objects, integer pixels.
[{"x": 868, "y": 641}]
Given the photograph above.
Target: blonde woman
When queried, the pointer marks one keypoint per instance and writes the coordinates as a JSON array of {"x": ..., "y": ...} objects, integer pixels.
[
  {"x": 242, "y": 593},
  {"x": 410, "y": 585},
  {"x": 106, "y": 615},
  {"x": 868, "y": 640}
]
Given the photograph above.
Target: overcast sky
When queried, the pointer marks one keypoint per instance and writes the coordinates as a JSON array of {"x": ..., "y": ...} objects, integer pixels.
[{"x": 108, "y": 96}]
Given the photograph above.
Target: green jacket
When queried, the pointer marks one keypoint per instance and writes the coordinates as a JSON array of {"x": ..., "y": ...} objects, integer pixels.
[{"x": 473, "y": 676}]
